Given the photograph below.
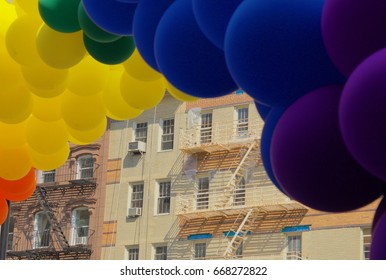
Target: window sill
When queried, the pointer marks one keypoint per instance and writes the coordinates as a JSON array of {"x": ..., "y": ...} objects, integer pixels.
[{"x": 164, "y": 151}]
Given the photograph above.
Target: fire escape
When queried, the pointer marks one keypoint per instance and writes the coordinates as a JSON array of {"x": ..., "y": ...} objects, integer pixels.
[
  {"x": 235, "y": 205},
  {"x": 56, "y": 240}
]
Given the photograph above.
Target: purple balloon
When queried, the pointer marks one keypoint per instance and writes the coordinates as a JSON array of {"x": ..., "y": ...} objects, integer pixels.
[
  {"x": 353, "y": 30},
  {"x": 378, "y": 243},
  {"x": 362, "y": 114},
  {"x": 311, "y": 161},
  {"x": 378, "y": 214}
]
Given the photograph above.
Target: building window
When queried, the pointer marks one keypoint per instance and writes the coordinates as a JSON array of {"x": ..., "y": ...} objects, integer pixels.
[
  {"x": 136, "y": 196},
  {"x": 164, "y": 198},
  {"x": 141, "y": 132},
  {"x": 167, "y": 134},
  {"x": 206, "y": 128},
  {"x": 294, "y": 249},
  {"x": 242, "y": 122},
  {"x": 85, "y": 166},
  {"x": 11, "y": 230},
  {"x": 239, "y": 251},
  {"x": 133, "y": 253},
  {"x": 80, "y": 226},
  {"x": 48, "y": 176},
  {"x": 161, "y": 253},
  {"x": 199, "y": 251},
  {"x": 42, "y": 231},
  {"x": 239, "y": 193},
  {"x": 202, "y": 201},
  {"x": 366, "y": 243}
]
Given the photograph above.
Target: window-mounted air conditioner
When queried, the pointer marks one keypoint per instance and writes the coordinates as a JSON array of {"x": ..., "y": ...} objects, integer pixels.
[
  {"x": 137, "y": 147},
  {"x": 134, "y": 212}
]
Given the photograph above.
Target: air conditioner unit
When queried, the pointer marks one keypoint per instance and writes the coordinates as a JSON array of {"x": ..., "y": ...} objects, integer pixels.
[
  {"x": 134, "y": 212},
  {"x": 137, "y": 147}
]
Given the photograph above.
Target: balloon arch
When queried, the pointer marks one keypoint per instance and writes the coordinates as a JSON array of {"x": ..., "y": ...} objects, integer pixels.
[{"x": 315, "y": 69}]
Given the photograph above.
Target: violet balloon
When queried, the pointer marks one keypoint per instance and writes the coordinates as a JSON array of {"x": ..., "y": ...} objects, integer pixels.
[
  {"x": 213, "y": 17},
  {"x": 187, "y": 59},
  {"x": 311, "y": 161},
  {"x": 274, "y": 50},
  {"x": 353, "y": 30},
  {"x": 362, "y": 114},
  {"x": 378, "y": 242}
]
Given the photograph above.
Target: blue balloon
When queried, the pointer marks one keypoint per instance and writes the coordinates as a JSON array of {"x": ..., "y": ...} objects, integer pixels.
[
  {"x": 145, "y": 22},
  {"x": 275, "y": 52},
  {"x": 265, "y": 145},
  {"x": 186, "y": 58},
  {"x": 213, "y": 17},
  {"x": 112, "y": 16},
  {"x": 263, "y": 110}
]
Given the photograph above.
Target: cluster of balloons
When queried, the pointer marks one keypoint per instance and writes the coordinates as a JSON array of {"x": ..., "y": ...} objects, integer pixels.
[
  {"x": 315, "y": 69},
  {"x": 61, "y": 76}
]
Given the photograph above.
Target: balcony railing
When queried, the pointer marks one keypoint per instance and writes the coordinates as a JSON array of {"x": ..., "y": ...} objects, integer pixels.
[
  {"x": 251, "y": 195},
  {"x": 67, "y": 172},
  {"x": 223, "y": 133},
  {"x": 45, "y": 239}
]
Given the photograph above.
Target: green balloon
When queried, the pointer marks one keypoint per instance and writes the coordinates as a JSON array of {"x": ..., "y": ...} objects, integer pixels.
[
  {"x": 110, "y": 53},
  {"x": 60, "y": 15},
  {"x": 92, "y": 30}
]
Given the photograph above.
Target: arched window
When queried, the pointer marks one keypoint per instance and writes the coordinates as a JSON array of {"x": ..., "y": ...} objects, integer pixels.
[
  {"x": 42, "y": 231},
  {"x": 85, "y": 167},
  {"x": 80, "y": 226}
]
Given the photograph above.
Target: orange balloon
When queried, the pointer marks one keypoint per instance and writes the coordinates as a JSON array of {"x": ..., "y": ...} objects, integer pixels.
[
  {"x": 19, "y": 196},
  {"x": 3, "y": 210},
  {"x": 18, "y": 186}
]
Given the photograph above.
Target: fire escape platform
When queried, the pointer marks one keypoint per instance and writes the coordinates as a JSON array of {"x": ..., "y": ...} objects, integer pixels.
[
  {"x": 268, "y": 218},
  {"x": 216, "y": 146}
]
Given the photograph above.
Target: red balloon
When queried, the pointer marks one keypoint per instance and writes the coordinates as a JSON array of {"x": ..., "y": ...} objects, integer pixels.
[
  {"x": 19, "y": 196},
  {"x": 3, "y": 210},
  {"x": 20, "y": 186}
]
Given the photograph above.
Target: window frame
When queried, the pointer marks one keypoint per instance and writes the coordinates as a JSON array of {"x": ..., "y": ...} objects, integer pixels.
[
  {"x": 164, "y": 195},
  {"x": 291, "y": 253},
  {"x": 206, "y": 127},
  {"x": 167, "y": 134},
  {"x": 203, "y": 249},
  {"x": 138, "y": 130},
  {"x": 80, "y": 169},
  {"x": 133, "y": 200},
  {"x": 134, "y": 254},
  {"x": 242, "y": 124},
  {"x": 161, "y": 255}
]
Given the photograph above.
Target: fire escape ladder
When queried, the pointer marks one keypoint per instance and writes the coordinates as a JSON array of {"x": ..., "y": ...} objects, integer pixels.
[
  {"x": 237, "y": 176},
  {"x": 240, "y": 235},
  {"x": 41, "y": 195}
]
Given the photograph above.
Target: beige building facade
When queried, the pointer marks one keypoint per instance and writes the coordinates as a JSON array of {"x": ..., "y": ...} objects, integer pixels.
[{"x": 186, "y": 181}]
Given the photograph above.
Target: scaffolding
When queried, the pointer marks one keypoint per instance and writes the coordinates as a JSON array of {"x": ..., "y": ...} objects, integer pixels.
[
  {"x": 56, "y": 240},
  {"x": 225, "y": 192}
]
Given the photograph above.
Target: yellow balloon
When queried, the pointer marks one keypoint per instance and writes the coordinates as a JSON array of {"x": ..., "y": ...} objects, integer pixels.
[
  {"x": 10, "y": 74},
  {"x": 177, "y": 94},
  {"x": 15, "y": 104},
  {"x": 15, "y": 99},
  {"x": 21, "y": 40},
  {"x": 46, "y": 137},
  {"x": 7, "y": 16},
  {"x": 13, "y": 135},
  {"x": 43, "y": 80},
  {"x": 82, "y": 112},
  {"x": 88, "y": 77},
  {"x": 47, "y": 109},
  {"x": 15, "y": 163},
  {"x": 87, "y": 136},
  {"x": 141, "y": 94},
  {"x": 47, "y": 162},
  {"x": 30, "y": 7},
  {"x": 116, "y": 107},
  {"x": 60, "y": 50},
  {"x": 136, "y": 67}
]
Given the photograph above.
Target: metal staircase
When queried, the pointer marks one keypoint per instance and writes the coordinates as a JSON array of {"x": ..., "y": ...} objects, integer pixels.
[
  {"x": 229, "y": 190},
  {"x": 240, "y": 234},
  {"x": 41, "y": 195}
]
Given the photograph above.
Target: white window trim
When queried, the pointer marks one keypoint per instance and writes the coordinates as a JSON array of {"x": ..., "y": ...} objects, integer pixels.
[
  {"x": 156, "y": 197},
  {"x": 161, "y": 124},
  {"x": 159, "y": 245},
  {"x": 131, "y": 247},
  {"x": 130, "y": 193}
]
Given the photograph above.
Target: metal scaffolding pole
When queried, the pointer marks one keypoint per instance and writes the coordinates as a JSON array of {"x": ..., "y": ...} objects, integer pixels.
[{"x": 4, "y": 234}]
